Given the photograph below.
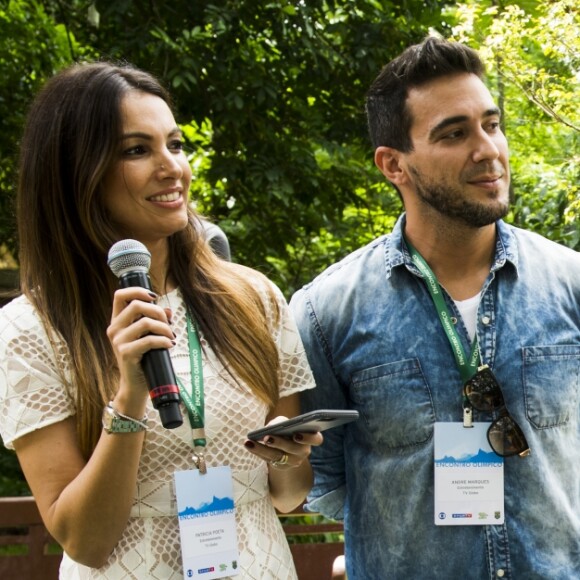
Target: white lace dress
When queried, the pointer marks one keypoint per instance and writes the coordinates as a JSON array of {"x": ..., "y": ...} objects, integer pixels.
[{"x": 32, "y": 397}]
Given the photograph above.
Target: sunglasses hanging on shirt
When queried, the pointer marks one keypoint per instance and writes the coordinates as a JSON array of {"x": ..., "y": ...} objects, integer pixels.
[{"x": 484, "y": 393}]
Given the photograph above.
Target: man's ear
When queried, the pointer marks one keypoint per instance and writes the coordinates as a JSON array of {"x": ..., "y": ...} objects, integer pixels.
[{"x": 388, "y": 160}]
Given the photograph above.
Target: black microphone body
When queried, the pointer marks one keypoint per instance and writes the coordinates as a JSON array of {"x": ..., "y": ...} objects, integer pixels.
[{"x": 156, "y": 363}]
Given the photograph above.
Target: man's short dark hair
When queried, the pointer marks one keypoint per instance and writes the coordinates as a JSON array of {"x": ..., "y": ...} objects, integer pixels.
[{"x": 389, "y": 119}]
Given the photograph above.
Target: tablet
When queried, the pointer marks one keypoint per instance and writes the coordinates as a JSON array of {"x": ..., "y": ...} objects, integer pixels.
[{"x": 308, "y": 423}]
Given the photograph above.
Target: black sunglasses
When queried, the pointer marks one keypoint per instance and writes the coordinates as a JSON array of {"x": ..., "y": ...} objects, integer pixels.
[{"x": 504, "y": 435}]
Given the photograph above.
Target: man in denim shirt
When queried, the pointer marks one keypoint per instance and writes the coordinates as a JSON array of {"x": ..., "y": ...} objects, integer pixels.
[{"x": 376, "y": 344}]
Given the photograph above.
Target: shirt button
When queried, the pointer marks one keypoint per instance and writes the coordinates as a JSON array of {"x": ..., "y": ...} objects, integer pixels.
[
  {"x": 486, "y": 320},
  {"x": 500, "y": 573}
]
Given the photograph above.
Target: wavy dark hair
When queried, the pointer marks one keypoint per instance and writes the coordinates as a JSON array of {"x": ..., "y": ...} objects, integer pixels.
[{"x": 70, "y": 139}]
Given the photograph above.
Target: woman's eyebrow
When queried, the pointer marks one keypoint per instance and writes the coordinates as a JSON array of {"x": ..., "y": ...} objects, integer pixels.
[{"x": 141, "y": 135}]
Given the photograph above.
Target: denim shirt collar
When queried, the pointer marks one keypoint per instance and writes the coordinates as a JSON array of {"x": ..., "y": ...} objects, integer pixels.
[{"x": 506, "y": 249}]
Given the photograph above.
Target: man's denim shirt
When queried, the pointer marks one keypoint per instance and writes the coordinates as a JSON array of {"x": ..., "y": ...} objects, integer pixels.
[{"x": 375, "y": 344}]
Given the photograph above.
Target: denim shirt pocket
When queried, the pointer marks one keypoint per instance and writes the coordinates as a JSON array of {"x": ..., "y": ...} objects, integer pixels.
[
  {"x": 395, "y": 404},
  {"x": 551, "y": 377}
]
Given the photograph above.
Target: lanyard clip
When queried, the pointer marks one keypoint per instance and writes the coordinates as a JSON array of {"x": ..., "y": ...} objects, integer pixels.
[
  {"x": 467, "y": 416},
  {"x": 199, "y": 460}
]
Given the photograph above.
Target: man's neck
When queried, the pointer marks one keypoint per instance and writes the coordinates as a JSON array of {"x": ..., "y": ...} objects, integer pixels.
[{"x": 459, "y": 256}]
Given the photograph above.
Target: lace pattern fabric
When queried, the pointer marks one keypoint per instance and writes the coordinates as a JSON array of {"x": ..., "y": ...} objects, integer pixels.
[{"x": 32, "y": 396}]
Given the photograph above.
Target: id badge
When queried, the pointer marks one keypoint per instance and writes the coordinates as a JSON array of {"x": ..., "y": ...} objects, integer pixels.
[
  {"x": 469, "y": 485},
  {"x": 207, "y": 524}
]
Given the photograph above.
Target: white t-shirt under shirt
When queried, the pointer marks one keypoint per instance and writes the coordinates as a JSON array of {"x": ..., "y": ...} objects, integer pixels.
[{"x": 468, "y": 310}]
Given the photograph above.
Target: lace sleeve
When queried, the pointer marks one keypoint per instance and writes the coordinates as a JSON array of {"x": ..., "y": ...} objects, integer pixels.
[{"x": 32, "y": 393}]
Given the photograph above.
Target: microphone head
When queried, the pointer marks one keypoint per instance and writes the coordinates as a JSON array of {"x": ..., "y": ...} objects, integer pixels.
[{"x": 128, "y": 256}]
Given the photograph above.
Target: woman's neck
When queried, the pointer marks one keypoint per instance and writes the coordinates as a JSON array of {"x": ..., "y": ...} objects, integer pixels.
[{"x": 161, "y": 278}]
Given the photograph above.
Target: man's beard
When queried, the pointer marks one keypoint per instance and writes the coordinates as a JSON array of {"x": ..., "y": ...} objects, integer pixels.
[{"x": 450, "y": 201}]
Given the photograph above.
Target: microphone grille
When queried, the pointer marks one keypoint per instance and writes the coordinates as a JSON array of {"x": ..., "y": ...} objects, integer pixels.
[{"x": 128, "y": 255}]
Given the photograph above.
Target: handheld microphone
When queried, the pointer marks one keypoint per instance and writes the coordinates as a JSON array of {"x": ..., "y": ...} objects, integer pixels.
[{"x": 130, "y": 261}]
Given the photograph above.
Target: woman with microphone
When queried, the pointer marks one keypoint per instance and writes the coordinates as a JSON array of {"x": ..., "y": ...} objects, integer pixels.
[{"x": 102, "y": 161}]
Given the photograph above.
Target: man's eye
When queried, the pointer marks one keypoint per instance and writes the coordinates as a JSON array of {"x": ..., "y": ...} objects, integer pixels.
[{"x": 453, "y": 135}]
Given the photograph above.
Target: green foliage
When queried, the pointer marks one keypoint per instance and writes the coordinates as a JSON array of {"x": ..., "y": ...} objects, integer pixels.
[
  {"x": 539, "y": 54},
  {"x": 12, "y": 481},
  {"x": 33, "y": 48}
]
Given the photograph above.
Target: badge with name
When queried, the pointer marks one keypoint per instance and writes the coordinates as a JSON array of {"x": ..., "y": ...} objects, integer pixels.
[
  {"x": 469, "y": 487},
  {"x": 207, "y": 524}
]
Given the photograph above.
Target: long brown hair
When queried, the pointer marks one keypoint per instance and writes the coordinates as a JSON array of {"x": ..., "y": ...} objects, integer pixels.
[{"x": 70, "y": 139}]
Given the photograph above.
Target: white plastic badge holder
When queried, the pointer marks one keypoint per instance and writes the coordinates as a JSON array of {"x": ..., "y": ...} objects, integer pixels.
[
  {"x": 469, "y": 486},
  {"x": 207, "y": 524}
]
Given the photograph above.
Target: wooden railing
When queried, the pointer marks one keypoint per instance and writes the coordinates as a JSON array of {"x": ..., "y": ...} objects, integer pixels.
[
  {"x": 319, "y": 557},
  {"x": 24, "y": 537},
  {"x": 30, "y": 553}
]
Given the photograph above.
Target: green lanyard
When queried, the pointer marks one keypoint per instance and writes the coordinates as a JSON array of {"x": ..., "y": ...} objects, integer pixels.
[
  {"x": 467, "y": 367},
  {"x": 194, "y": 402}
]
